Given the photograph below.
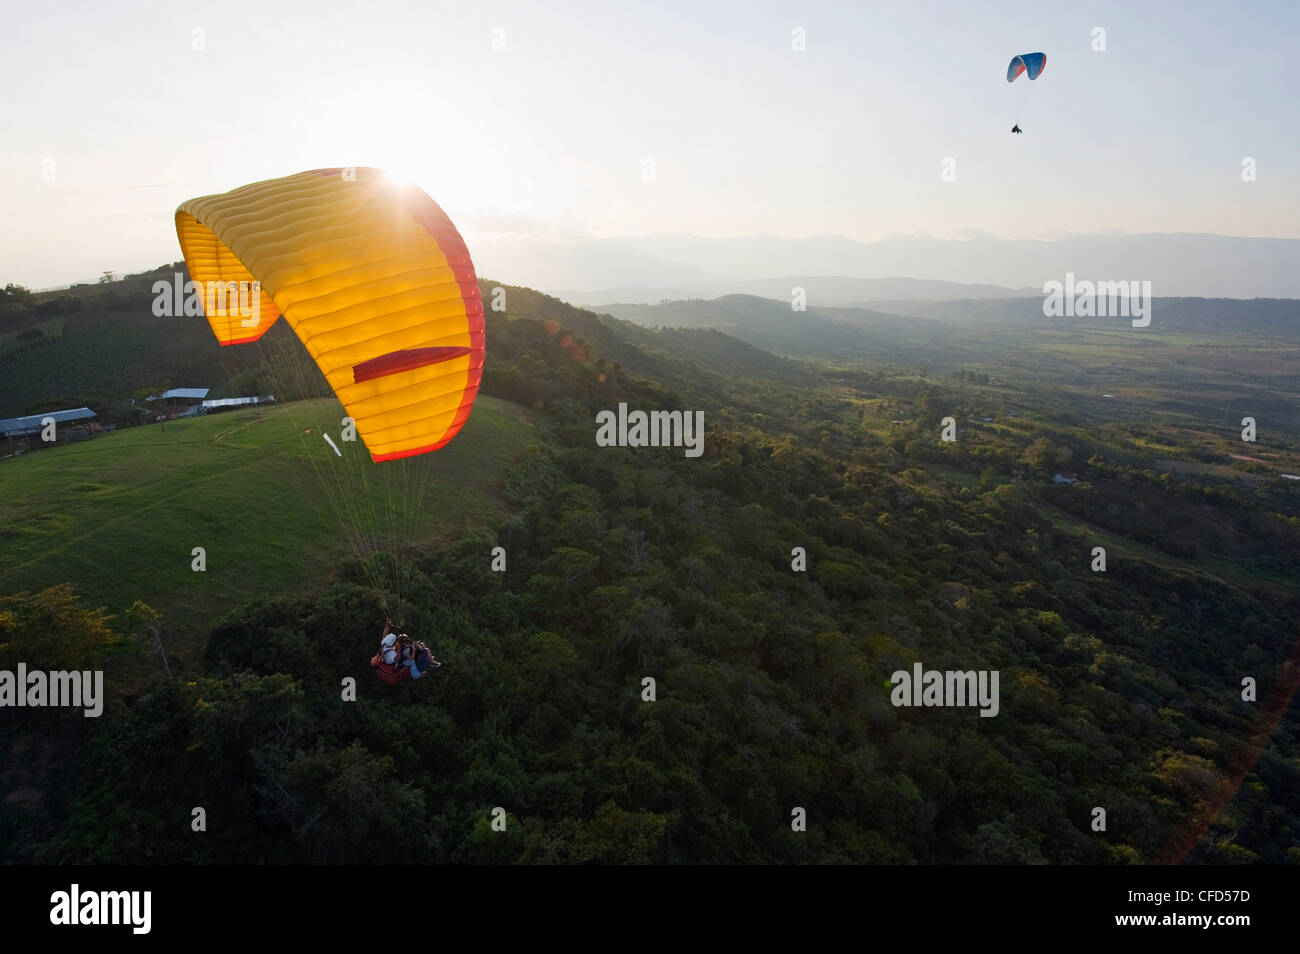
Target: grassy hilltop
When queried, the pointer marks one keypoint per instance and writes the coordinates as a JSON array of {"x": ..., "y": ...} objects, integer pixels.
[{"x": 119, "y": 515}]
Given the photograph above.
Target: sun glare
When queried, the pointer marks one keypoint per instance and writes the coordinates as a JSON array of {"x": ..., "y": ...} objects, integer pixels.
[
  {"x": 402, "y": 172},
  {"x": 456, "y": 158}
]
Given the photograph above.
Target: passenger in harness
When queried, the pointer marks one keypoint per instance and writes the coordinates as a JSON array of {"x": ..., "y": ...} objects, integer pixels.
[{"x": 416, "y": 656}]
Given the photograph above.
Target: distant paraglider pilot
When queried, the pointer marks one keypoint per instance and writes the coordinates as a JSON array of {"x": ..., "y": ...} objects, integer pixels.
[{"x": 1029, "y": 65}]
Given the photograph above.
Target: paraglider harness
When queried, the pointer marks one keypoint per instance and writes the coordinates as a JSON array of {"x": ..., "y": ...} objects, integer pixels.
[
  {"x": 395, "y": 671},
  {"x": 391, "y": 672}
]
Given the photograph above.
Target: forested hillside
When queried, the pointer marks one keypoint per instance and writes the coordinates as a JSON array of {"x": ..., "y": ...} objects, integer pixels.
[{"x": 1120, "y": 689}]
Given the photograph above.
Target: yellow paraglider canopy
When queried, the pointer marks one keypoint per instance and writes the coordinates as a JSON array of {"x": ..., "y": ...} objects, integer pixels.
[{"x": 373, "y": 278}]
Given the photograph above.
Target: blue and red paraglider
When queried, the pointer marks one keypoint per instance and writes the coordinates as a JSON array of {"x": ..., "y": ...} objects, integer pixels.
[{"x": 1031, "y": 65}]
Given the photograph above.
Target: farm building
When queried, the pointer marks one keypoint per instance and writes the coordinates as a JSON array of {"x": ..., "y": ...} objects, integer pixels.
[
  {"x": 179, "y": 402},
  {"x": 226, "y": 404},
  {"x": 71, "y": 425}
]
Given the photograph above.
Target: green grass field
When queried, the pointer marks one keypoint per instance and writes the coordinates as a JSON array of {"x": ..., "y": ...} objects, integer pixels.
[{"x": 272, "y": 505}]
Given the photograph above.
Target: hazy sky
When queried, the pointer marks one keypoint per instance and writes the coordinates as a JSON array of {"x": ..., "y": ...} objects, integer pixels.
[{"x": 555, "y": 132}]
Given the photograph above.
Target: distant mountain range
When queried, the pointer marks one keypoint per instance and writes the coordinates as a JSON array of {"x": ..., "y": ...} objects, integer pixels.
[
  {"x": 913, "y": 327},
  {"x": 774, "y": 327},
  {"x": 817, "y": 291},
  {"x": 653, "y": 268}
]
